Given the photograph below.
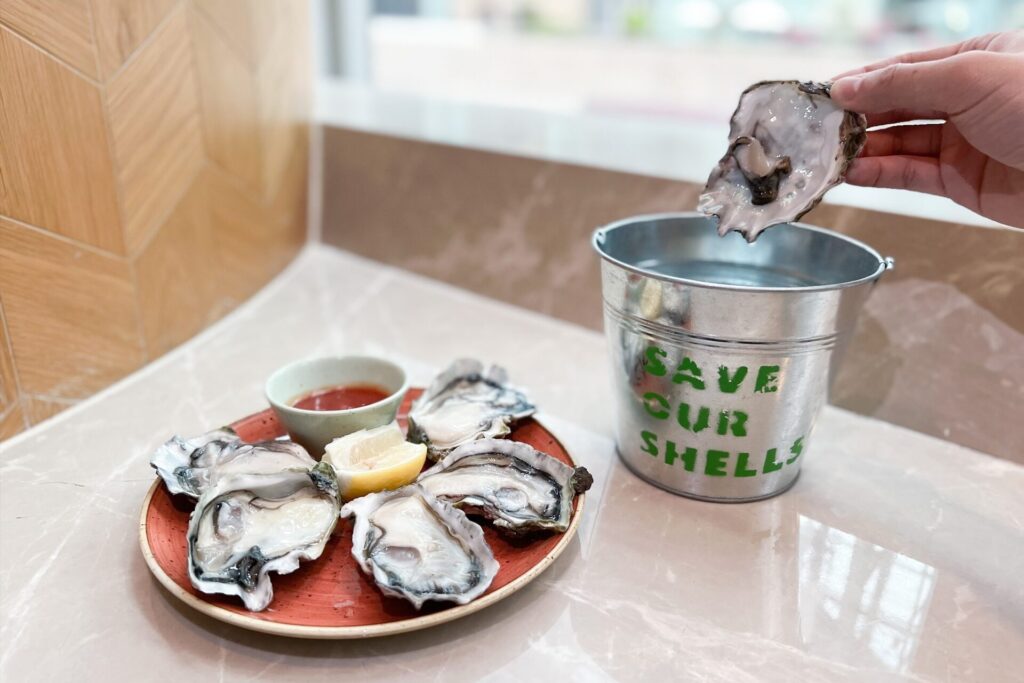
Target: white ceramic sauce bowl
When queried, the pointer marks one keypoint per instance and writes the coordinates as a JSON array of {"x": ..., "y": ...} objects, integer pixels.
[{"x": 314, "y": 429}]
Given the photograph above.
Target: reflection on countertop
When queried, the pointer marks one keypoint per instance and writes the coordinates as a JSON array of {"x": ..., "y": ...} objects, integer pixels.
[
  {"x": 895, "y": 556},
  {"x": 877, "y": 597}
]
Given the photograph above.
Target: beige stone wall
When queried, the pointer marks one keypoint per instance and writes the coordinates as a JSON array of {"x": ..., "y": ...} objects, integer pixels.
[{"x": 153, "y": 162}]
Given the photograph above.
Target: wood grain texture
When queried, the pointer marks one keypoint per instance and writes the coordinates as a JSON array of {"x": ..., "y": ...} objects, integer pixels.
[
  {"x": 233, "y": 20},
  {"x": 61, "y": 27},
  {"x": 227, "y": 88},
  {"x": 8, "y": 379},
  {"x": 289, "y": 199},
  {"x": 121, "y": 26},
  {"x": 284, "y": 90},
  {"x": 177, "y": 275},
  {"x": 251, "y": 246},
  {"x": 70, "y": 313},
  {"x": 139, "y": 131},
  {"x": 55, "y": 170},
  {"x": 154, "y": 118},
  {"x": 12, "y": 422}
]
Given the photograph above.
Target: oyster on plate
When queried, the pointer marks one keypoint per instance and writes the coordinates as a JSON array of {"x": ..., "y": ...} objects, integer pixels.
[
  {"x": 516, "y": 486},
  {"x": 420, "y": 548},
  {"x": 465, "y": 403},
  {"x": 188, "y": 466},
  {"x": 789, "y": 143},
  {"x": 248, "y": 525}
]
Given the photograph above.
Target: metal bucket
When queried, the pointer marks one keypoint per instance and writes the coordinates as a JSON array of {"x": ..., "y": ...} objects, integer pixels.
[{"x": 722, "y": 351}]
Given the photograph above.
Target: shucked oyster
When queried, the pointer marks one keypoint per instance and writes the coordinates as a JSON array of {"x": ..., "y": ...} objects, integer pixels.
[
  {"x": 789, "y": 143},
  {"x": 511, "y": 483},
  {"x": 189, "y": 465},
  {"x": 178, "y": 460},
  {"x": 420, "y": 548},
  {"x": 248, "y": 525},
  {"x": 465, "y": 403}
]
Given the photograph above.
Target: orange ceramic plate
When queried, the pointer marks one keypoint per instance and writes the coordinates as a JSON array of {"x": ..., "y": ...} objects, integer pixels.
[{"x": 331, "y": 597}]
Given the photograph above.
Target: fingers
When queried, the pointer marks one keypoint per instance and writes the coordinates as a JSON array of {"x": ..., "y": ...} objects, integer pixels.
[
  {"x": 975, "y": 43},
  {"x": 918, "y": 141},
  {"x": 948, "y": 86},
  {"x": 920, "y": 174}
]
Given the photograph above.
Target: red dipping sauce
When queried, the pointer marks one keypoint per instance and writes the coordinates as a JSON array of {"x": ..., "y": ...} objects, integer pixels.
[{"x": 341, "y": 398}]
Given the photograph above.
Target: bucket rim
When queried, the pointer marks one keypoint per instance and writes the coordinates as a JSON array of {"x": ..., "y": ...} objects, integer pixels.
[{"x": 884, "y": 263}]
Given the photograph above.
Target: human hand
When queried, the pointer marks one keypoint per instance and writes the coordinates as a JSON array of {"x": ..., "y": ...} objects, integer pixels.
[{"x": 976, "y": 156}]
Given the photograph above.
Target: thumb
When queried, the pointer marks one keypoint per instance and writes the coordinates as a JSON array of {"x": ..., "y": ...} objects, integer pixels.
[{"x": 946, "y": 86}]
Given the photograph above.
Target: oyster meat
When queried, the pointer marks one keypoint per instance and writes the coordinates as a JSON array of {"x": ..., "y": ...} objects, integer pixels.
[
  {"x": 465, "y": 403},
  {"x": 789, "y": 143},
  {"x": 177, "y": 458},
  {"x": 420, "y": 548},
  {"x": 516, "y": 486},
  {"x": 248, "y": 525},
  {"x": 188, "y": 466}
]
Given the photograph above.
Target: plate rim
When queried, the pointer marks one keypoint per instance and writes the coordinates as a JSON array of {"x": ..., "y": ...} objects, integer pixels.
[{"x": 367, "y": 630}]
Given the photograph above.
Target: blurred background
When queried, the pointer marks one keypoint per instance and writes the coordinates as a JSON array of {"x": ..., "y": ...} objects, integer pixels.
[{"x": 665, "y": 58}]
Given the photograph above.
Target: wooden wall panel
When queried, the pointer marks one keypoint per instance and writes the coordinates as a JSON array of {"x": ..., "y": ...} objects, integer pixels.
[
  {"x": 68, "y": 309},
  {"x": 248, "y": 240},
  {"x": 12, "y": 422},
  {"x": 177, "y": 273},
  {"x": 154, "y": 117},
  {"x": 137, "y": 205},
  {"x": 55, "y": 169},
  {"x": 122, "y": 26},
  {"x": 61, "y": 27},
  {"x": 235, "y": 22},
  {"x": 227, "y": 85},
  {"x": 284, "y": 95},
  {"x": 8, "y": 380}
]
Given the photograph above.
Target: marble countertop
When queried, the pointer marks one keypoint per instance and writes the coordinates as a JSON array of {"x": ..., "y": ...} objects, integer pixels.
[{"x": 896, "y": 555}]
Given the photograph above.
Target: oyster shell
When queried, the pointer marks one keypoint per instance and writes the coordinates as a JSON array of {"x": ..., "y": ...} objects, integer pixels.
[
  {"x": 518, "y": 487},
  {"x": 177, "y": 458},
  {"x": 248, "y": 525},
  {"x": 188, "y": 466},
  {"x": 464, "y": 403},
  {"x": 420, "y": 548},
  {"x": 789, "y": 143}
]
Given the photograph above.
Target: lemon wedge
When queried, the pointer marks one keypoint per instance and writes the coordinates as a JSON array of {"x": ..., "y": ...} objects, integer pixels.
[{"x": 373, "y": 460}]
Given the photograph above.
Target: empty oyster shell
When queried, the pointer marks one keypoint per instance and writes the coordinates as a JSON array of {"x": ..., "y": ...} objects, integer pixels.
[
  {"x": 189, "y": 465},
  {"x": 248, "y": 525},
  {"x": 518, "y": 487},
  {"x": 463, "y": 404},
  {"x": 789, "y": 143},
  {"x": 420, "y": 548}
]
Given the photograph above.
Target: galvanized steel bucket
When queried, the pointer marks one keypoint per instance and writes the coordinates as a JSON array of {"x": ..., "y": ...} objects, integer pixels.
[{"x": 722, "y": 352}]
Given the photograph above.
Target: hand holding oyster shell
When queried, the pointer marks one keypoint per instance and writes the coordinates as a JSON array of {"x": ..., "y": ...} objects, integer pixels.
[{"x": 974, "y": 154}]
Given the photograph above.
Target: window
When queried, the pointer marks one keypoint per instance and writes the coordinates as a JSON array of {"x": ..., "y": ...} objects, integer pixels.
[{"x": 682, "y": 59}]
